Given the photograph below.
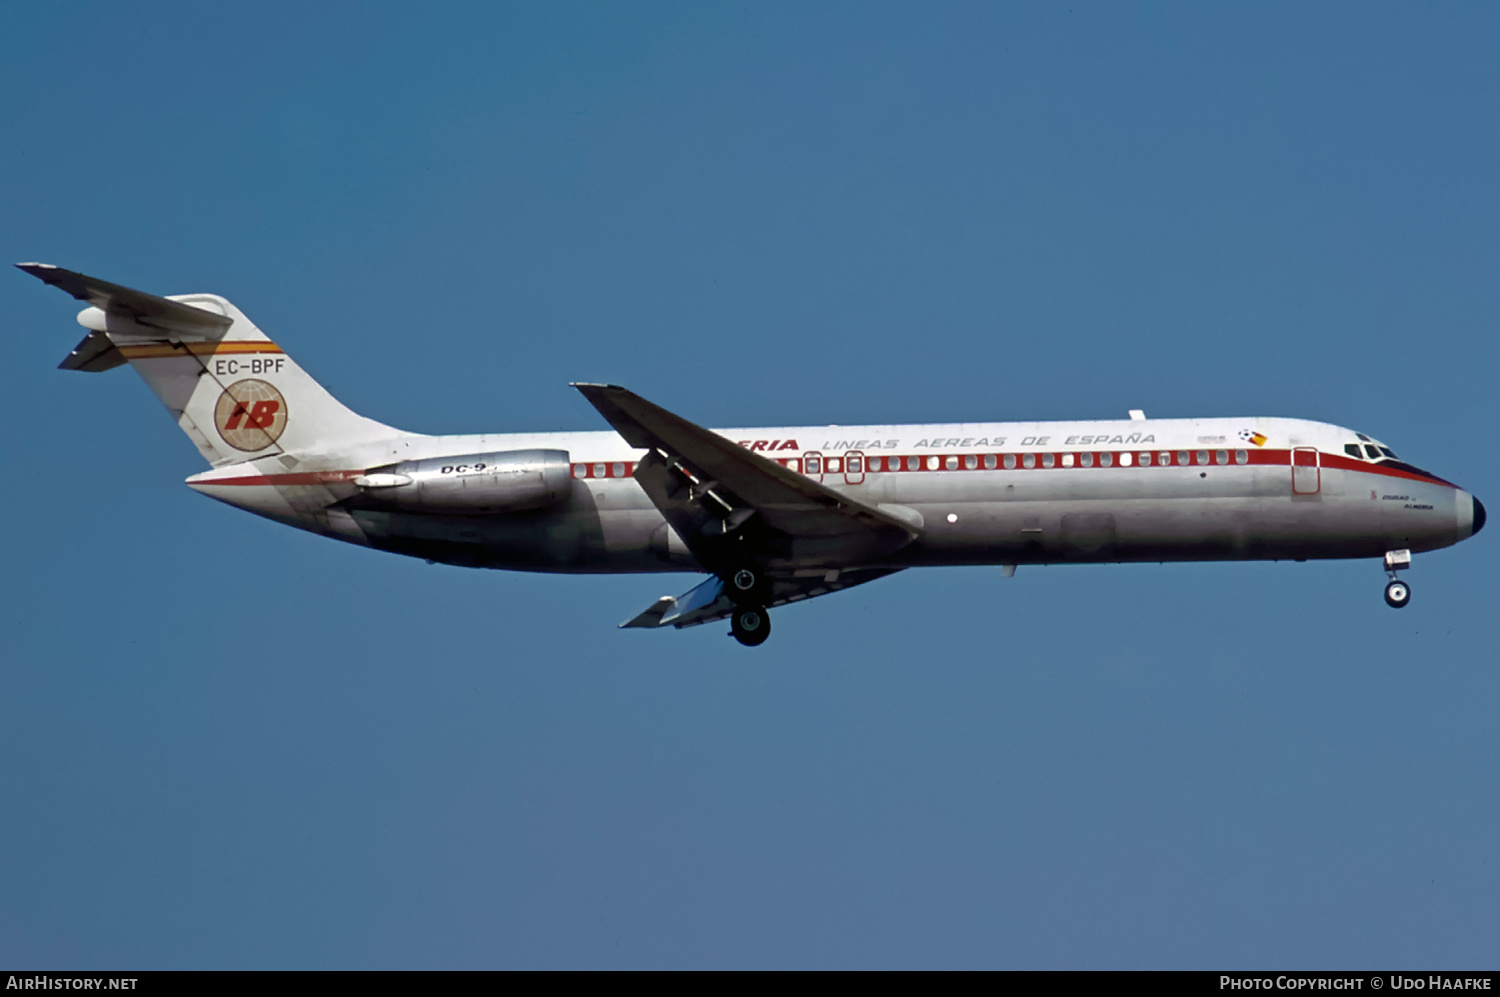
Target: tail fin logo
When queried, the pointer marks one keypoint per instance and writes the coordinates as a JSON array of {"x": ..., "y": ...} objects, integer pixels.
[{"x": 250, "y": 415}]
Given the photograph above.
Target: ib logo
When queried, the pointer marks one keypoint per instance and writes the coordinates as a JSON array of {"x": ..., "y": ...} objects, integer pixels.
[{"x": 250, "y": 414}]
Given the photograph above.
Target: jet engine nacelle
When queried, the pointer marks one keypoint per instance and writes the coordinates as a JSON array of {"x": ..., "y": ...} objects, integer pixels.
[{"x": 509, "y": 481}]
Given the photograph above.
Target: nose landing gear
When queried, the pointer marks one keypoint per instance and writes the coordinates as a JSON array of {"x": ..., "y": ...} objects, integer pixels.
[{"x": 1397, "y": 592}]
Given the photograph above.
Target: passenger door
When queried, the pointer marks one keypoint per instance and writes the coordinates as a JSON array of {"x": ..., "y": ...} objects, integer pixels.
[{"x": 1307, "y": 477}]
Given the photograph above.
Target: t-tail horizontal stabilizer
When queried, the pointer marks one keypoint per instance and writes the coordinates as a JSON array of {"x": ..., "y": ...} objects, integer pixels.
[{"x": 147, "y": 312}]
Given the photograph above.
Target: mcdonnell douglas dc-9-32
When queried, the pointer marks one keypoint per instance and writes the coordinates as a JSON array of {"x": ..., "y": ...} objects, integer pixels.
[{"x": 771, "y": 516}]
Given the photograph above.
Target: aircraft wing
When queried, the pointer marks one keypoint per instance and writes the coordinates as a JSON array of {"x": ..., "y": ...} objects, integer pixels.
[
  {"x": 730, "y": 505},
  {"x": 707, "y": 602}
]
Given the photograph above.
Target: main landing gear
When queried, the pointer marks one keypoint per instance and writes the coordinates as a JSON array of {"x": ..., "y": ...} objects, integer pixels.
[
  {"x": 747, "y": 586},
  {"x": 1397, "y": 592},
  {"x": 751, "y": 625},
  {"x": 750, "y": 591}
]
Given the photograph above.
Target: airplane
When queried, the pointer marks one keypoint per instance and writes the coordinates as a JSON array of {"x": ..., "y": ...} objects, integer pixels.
[{"x": 772, "y": 516}]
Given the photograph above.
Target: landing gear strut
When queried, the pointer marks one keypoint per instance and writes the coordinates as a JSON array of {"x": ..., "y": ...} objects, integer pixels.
[
  {"x": 751, "y": 625},
  {"x": 1397, "y": 592}
]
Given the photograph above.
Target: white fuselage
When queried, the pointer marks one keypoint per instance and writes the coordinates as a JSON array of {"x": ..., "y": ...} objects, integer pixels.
[{"x": 981, "y": 493}]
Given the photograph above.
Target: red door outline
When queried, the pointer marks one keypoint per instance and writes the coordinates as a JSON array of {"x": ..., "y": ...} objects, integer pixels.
[
  {"x": 1307, "y": 475},
  {"x": 852, "y": 477},
  {"x": 812, "y": 455}
]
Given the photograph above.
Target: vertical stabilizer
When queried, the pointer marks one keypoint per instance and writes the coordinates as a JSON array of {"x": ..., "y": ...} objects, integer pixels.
[{"x": 230, "y": 388}]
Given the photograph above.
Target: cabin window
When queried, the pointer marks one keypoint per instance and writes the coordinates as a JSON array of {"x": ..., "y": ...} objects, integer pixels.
[
  {"x": 835, "y": 465},
  {"x": 1164, "y": 459},
  {"x": 1087, "y": 460},
  {"x": 619, "y": 470},
  {"x": 814, "y": 465},
  {"x": 794, "y": 463},
  {"x": 1145, "y": 460},
  {"x": 933, "y": 463},
  {"x": 855, "y": 465},
  {"x": 1029, "y": 460},
  {"x": 1047, "y": 460},
  {"x": 580, "y": 470},
  {"x": 1010, "y": 461},
  {"x": 874, "y": 463},
  {"x": 989, "y": 462},
  {"x": 1241, "y": 457},
  {"x": 1203, "y": 456},
  {"x": 1372, "y": 451},
  {"x": 1125, "y": 459},
  {"x": 1067, "y": 460},
  {"x": 1106, "y": 459},
  {"x": 598, "y": 470},
  {"x": 971, "y": 462},
  {"x": 1352, "y": 449},
  {"x": 1222, "y": 457},
  {"x": 1182, "y": 457},
  {"x": 951, "y": 463}
]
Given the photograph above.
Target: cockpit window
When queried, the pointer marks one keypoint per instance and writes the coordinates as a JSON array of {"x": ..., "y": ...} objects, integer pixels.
[
  {"x": 1372, "y": 451},
  {"x": 1352, "y": 449},
  {"x": 1387, "y": 452}
]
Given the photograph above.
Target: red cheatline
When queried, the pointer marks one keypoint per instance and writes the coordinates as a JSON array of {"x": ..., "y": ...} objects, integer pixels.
[{"x": 891, "y": 465}]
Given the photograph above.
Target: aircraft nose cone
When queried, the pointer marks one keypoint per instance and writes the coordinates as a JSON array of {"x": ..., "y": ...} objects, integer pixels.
[{"x": 1478, "y": 516}]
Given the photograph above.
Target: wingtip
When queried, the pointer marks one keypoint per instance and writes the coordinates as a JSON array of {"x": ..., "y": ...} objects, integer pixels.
[
  {"x": 592, "y": 391},
  {"x": 652, "y": 617}
]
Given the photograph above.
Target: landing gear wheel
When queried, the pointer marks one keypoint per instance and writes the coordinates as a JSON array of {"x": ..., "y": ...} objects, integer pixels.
[
  {"x": 1397, "y": 594},
  {"x": 751, "y": 625},
  {"x": 746, "y": 587}
]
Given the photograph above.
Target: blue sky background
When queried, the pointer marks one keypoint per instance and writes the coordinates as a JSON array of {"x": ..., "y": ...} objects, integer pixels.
[{"x": 227, "y": 744}]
